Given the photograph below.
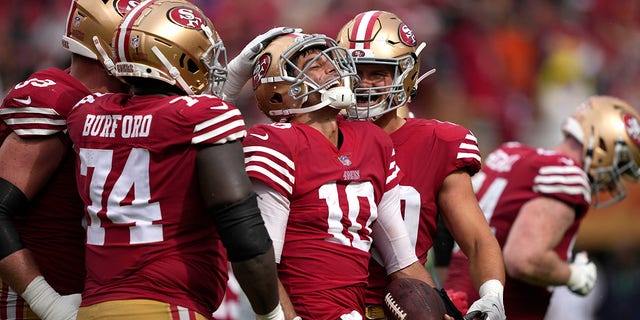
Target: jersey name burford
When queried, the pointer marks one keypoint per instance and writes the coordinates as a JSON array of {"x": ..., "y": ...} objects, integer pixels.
[{"x": 116, "y": 125}]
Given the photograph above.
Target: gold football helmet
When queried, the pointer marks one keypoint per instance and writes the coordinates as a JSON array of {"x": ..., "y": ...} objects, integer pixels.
[
  {"x": 609, "y": 130},
  {"x": 380, "y": 37},
  {"x": 172, "y": 41},
  {"x": 281, "y": 88},
  {"x": 89, "y": 18}
]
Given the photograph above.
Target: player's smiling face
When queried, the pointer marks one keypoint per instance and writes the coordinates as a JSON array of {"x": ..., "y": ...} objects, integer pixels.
[{"x": 372, "y": 76}]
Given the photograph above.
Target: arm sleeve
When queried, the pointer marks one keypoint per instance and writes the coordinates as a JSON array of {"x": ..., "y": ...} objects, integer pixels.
[
  {"x": 390, "y": 235},
  {"x": 275, "y": 213}
]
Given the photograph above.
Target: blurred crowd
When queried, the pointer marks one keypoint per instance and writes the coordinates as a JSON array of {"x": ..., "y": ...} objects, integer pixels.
[{"x": 506, "y": 69}]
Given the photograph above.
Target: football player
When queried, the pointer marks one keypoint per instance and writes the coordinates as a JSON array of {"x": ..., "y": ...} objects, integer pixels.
[
  {"x": 161, "y": 173},
  {"x": 327, "y": 187},
  {"x": 437, "y": 158},
  {"x": 41, "y": 213},
  {"x": 536, "y": 198}
]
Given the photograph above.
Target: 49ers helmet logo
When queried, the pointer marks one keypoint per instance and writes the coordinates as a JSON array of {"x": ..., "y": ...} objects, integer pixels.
[
  {"x": 186, "y": 17},
  {"x": 124, "y": 6},
  {"x": 260, "y": 69},
  {"x": 632, "y": 125},
  {"x": 406, "y": 35}
]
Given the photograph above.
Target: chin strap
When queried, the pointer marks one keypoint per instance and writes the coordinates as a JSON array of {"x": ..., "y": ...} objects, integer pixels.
[
  {"x": 426, "y": 74},
  {"x": 173, "y": 71},
  {"x": 107, "y": 62}
]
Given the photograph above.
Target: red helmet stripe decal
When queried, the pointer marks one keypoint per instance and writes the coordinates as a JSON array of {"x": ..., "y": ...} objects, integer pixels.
[
  {"x": 363, "y": 29},
  {"x": 72, "y": 10},
  {"x": 123, "y": 34}
]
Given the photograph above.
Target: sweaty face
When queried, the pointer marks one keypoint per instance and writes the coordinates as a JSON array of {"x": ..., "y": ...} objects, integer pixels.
[{"x": 375, "y": 80}]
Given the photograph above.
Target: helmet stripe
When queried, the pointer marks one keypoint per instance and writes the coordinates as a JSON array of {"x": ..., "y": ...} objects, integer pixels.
[
  {"x": 363, "y": 29},
  {"x": 124, "y": 32},
  {"x": 72, "y": 10}
]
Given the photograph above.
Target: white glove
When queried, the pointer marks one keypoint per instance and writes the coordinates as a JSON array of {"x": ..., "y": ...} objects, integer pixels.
[
  {"x": 240, "y": 68},
  {"x": 583, "y": 275},
  {"x": 275, "y": 314},
  {"x": 47, "y": 304},
  {"x": 490, "y": 305}
]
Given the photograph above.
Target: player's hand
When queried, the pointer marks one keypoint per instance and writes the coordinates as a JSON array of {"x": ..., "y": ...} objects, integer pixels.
[
  {"x": 239, "y": 68},
  {"x": 47, "y": 304},
  {"x": 489, "y": 307},
  {"x": 583, "y": 274}
]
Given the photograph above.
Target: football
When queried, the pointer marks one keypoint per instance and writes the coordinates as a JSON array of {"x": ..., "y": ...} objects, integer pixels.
[{"x": 412, "y": 299}]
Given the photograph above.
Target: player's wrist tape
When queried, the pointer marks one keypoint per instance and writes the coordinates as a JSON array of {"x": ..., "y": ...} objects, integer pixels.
[
  {"x": 491, "y": 287},
  {"x": 39, "y": 295},
  {"x": 12, "y": 202},
  {"x": 275, "y": 314}
]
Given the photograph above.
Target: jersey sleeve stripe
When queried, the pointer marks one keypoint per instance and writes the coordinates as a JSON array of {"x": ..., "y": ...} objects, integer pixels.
[
  {"x": 36, "y": 132},
  {"x": 465, "y": 155},
  {"x": 562, "y": 170},
  {"x": 232, "y": 137},
  {"x": 571, "y": 190},
  {"x": 272, "y": 152},
  {"x": 472, "y": 138},
  {"x": 29, "y": 110},
  {"x": 469, "y": 146},
  {"x": 394, "y": 174},
  {"x": 225, "y": 116},
  {"x": 562, "y": 179},
  {"x": 227, "y": 129},
  {"x": 271, "y": 176},
  {"x": 271, "y": 164},
  {"x": 46, "y": 121}
]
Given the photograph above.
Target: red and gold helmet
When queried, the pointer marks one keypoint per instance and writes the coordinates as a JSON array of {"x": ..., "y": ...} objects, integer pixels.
[
  {"x": 282, "y": 89},
  {"x": 89, "y": 18},
  {"x": 380, "y": 37},
  {"x": 172, "y": 41},
  {"x": 609, "y": 130}
]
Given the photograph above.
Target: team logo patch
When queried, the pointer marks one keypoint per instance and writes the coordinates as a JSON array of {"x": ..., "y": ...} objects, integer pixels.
[
  {"x": 357, "y": 53},
  {"x": 186, "y": 17},
  {"x": 124, "y": 6},
  {"x": 407, "y": 36},
  {"x": 260, "y": 70},
  {"x": 632, "y": 126}
]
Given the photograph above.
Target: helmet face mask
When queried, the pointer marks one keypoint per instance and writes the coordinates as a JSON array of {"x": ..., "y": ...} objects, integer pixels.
[
  {"x": 381, "y": 38},
  {"x": 284, "y": 87},
  {"x": 609, "y": 130},
  {"x": 171, "y": 41}
]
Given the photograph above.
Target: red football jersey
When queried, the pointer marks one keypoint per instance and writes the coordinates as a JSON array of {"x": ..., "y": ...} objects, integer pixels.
[
  {"x": 427, "y": 151},
  {"x": 148, "y": 232},
  {"x": 52, "y": 229},
  {"x": 512, "y": 175},
  {"x": 333, "y": 194}
]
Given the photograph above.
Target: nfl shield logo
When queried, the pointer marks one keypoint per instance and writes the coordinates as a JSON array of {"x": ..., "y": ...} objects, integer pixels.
[{"x": 344, "y": 160}]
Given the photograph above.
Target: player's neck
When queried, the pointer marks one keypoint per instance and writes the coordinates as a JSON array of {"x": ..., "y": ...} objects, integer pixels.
[
  {"x": 390, "y": 122},
  {"x": 323, "y": 120},
  {"x": 93, "y": 75},
  {"x": 571, "y": 148}
]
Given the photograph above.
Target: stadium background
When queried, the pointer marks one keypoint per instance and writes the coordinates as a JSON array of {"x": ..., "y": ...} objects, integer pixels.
[{"x": 506, "y": 69}]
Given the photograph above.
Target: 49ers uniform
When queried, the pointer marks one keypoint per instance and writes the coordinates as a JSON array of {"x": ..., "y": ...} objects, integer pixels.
[
  {"x": 149, "y": 235},
  {"x": 427, "y": 151},
  {"x": 333, "y": 195},
  {"x": 52, "y": 229},
  {"x": 512, "y": 175}
]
